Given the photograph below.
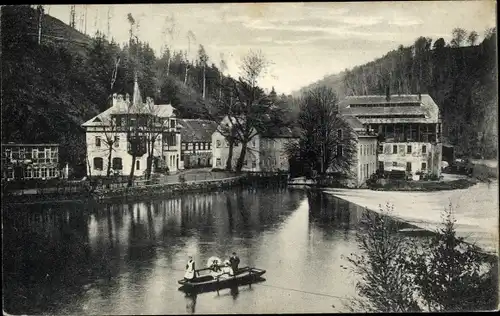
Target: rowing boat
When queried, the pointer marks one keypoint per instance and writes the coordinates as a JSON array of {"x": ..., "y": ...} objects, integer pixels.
[{"x": 246, "y": 275}]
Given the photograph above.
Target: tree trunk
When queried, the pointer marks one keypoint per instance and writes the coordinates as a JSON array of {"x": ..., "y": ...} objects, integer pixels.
[
  {"x": 204, "y": 82},
  {"x": 149, "y": 162},
  {"x": 241, "y": 159},
  {"x": 229, "y": 162},
  {"x": 186, "y": 74},
  {"x": 132, "y": 169},
  {"x": 168, "y": 65},
  {"x": 108, "y": 171}
]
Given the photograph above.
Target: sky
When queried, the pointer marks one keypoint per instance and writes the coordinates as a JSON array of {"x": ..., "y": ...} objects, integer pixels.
[{"x": 303, "y": 42}]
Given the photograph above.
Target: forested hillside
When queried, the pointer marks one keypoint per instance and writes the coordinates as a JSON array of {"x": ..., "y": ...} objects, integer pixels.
[
  {"x": 461, "y": 77},
  {"x": 50, "y": 88}
]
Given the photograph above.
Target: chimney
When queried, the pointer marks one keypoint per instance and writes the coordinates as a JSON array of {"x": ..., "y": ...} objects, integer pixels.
[
  {"x": 115, "y": 97},
  {"x": 387, "y": 94}
]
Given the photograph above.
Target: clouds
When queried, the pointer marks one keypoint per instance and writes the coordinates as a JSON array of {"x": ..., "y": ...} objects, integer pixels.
[{"x": 304, "y": 40}]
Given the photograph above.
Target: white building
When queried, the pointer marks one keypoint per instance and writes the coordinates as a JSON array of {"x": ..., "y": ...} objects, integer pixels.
[
  {"x": 265, "y": 151},
  {"x": 409, "y": 129},
  {"x": 365, "y": 163},
  {"x": 152, "y": 125}
]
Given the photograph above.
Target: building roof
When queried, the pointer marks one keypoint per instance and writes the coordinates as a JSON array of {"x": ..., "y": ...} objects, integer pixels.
[
  {"x": 403, "y": 108},
  {"x": 353, "y": 122},
  {"x": 196, "y": 130},
  {"x": 281, "y": 132},
  {"x": 124, "y": 106},
  {"x": 30, "y": 145}
]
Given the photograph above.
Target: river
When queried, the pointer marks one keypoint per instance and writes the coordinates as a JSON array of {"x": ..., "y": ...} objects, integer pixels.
[{"x": 84, "y": 258}]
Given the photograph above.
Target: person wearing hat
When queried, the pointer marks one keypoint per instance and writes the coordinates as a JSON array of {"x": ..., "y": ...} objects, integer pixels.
[{"x": 234, "y": 261}]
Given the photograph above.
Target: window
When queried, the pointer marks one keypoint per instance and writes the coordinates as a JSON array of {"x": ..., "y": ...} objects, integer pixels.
[
  {"x": 217, "y": 162},
  {"x": 97, "y": 141},
  {"x": 218, "y": 143},
  {"x": 254, "y": 164},
  {"x": 424, "y": 166},
  {"x": 394, "y": 149},
  {"x": 172, "y": 123},
  {"x": 36, "y": 173},
  {"x": 380, "y": 149},
  {"x": 339, "y": 134},
  {"x": 117, "y": 141},
  {"x": 424, "y": 149},
  {"x": 209, "y": 145},
  {"x": 98, "y": 162},
  {"x": 340, "y": 151},
  {"x": 394, "y": 164},
  {"x": 43, "y": 172},
  {"x": 408, "y": 149},
  {"x": 198, "y": 146},
  {"x": 28, "y": 173},
  {"x": 137, "y": 165},
  {"x": 10, "y": 174},
  {"x": 408, "y": 166},
  {"x": 35, "y": 153},
  {"x": 117, "y": 163},
  {"x": 171, "y": 139},
  {"x": 203, "y": 146},
  {"x": 41, "y": 155},
  {"x": 52, "y": 172},
  {"x": 27, "y": 155}
]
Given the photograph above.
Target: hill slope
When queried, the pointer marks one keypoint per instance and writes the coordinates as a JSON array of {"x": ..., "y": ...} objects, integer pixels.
[
  {"x": 48, "y": 90},
  {"x": 462, "y": 81}
]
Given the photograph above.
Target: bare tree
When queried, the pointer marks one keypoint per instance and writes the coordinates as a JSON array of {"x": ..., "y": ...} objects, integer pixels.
[
  {"x": 203, "y": 59},
  {"x": 253, "y": 111},
  {"x": 169, "y": 29},
  {"x": 472, "y": 39},
  {"x": 459, "y": 37},
  {"x": 190, "y": 37},
  {"x": 156, "y": 124}
]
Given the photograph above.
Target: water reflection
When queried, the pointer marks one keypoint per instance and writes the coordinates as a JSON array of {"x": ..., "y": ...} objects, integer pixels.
[{"x": 127, "y": 258}]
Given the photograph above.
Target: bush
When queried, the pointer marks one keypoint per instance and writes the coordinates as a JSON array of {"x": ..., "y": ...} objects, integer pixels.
[
  {"x": 444, "y": 274},
  {"x": 449, "y": 273}
]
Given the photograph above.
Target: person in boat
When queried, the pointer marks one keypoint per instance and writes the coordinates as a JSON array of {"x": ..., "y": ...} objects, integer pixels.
[
  {"x": 226, "y": 269},
  {"x": 216, "y": 270},
  {"x": 234, "y": 261},
  {"x": 190, "y": 269}
]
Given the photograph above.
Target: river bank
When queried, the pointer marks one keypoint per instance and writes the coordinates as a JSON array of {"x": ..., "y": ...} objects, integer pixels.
[
  {"x": 475, "y": 209},
  {"x": 134, "y": 193}
]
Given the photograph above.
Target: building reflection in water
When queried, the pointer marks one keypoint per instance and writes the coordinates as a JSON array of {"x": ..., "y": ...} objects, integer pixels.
[
  {"x": 191, "y": 302},
  {"x": 116, "y": 249}
]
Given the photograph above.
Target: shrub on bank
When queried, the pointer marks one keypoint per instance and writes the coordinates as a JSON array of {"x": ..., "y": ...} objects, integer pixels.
[{"x": 444, "y": 274}]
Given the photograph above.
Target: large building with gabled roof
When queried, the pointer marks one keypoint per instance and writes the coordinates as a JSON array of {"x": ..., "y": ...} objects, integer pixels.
[
  {"x": 129, "y": 122},
  {"x": 409, "y": 129}
]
